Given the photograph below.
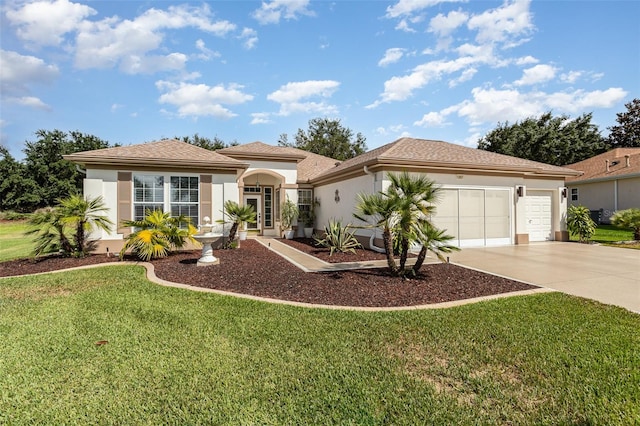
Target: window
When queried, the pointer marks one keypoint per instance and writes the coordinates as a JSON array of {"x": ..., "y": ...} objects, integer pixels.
[
  {"x": 305, "y": 200},
  {"x": 252, "y": 189},
  {"x": 178, "y": 195},
  {"x": 574, "y": 194},
  {"x": 184, "y": 197},
  {"x": 268, "y": 207},
  {"x": 148, "y": 195}
]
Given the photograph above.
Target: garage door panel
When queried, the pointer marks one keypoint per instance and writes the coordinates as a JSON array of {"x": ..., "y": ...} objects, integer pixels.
[{"x": 475, "y": 217}]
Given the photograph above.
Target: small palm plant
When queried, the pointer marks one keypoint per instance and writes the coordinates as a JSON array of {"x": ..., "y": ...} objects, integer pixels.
[
  {"x": 66, "y": 227},
  {"x": 629, "y": 218},
  {"x": 338, "y": 238},
  {"x": 158, "y": 233},
  {"x": 238, "y": 215},
  {"x": 579, "y": 223}
]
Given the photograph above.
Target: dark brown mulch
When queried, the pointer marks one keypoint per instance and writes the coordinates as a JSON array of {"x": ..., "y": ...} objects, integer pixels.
[
  {"x": 50, "y": 263},
  {"x": 308, "y": 246},
  {"x": 255, "y": 270}
]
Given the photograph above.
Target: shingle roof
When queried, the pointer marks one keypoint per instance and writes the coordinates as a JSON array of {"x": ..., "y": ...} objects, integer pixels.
[
  {"x": 595, "y": 168},
  {"x": 309, "y": 164},
  {"x": 428, "y": 153},
  {"x": 168, "y": 152}
]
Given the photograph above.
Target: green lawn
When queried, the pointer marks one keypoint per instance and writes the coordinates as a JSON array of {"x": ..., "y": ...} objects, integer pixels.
[
  {"x": 180, "y": 357},
  {"x": 609, "y": 234},
  {"x": 13, "y": 243}
]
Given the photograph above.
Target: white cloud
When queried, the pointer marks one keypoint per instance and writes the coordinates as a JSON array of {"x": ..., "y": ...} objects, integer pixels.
[
  {"x": 127, "y": 43},
  {"x": 249, "y": 37},
  {"x": 260, "y": 118},
  {"x": 293, "y": 97},
  {"x": 505, "y": 24},
  {"x": 46, "y": 22},
  {"x": 409, "y": 7},
  {"x": 538, "y": 74},
  {"x": 403, "y": 25},
  {"x": 466, "y": 75},
  {"x": 116, "y": 107},
  {"x": 205, "y": 53},
  {"x": 431, "y": 119},
  {"x": 491, "y": 105},
  {"x": 443, "y": 25},
  {"x": 272, "y": 12},
  {"x": 196, "y": 100},
  {"x": 18, "y": 73},
  {"x": 526, "y": 60},
  {"x": 391, "y": 56}
]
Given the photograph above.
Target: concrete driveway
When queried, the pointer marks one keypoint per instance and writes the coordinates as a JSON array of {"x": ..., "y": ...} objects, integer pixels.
[{"x": 607, "y": 274}]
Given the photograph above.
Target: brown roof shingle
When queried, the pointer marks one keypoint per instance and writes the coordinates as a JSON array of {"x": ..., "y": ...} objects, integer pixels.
[
  {"x": 595, "y": 168},
  {"x": 168, "y": 152},
  {"x": 309, "y": 164},
  {"x": 429, "y": 153}
]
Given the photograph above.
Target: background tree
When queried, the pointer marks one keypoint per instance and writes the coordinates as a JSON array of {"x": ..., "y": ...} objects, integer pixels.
[
  {"x": 17, "y": 189},
  {"x": 547, "y": 139},
  {"x": 206, "y": 143},
  {"x": 627, "y": 133},
  {"x": 54, "y": 176},
  {"x": 329, "y": 138}
]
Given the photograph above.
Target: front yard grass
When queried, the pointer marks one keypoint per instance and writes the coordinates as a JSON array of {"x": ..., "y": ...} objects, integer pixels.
[
  {"x": 13, "y": 243},
  {"x": 181, "y": 357},
  {"x": 610, "y": 235}
]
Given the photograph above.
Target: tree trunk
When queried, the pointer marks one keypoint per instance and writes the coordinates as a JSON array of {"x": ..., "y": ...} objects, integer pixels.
[
  {"x": 232, "y": 234},
  {"x": 388, "y": 247},
  {"x": 404, "y": 252},
  {"x": 636, "y": 234},
  {"x": 420, "y": 260}
]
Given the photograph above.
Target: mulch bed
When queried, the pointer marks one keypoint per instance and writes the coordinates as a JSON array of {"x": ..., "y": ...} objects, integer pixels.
[
  {"x": 308, "y": 246},
  {"x": 255, "y": 270}
]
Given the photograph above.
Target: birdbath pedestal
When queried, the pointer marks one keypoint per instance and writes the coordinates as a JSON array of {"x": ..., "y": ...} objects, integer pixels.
[{"x": 207, "y": 258}]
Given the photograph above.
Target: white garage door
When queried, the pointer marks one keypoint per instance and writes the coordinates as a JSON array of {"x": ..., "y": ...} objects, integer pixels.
[
  {"x": 539, "y": 224},
  {"x": 475, "y": 217}
]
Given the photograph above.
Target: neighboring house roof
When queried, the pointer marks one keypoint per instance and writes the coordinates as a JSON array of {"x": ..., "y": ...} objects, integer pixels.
[
  {"x": 421, "y": 153},
  {"x": 165, "y": 153},
  {"x": 622, "y": 162},
  {"x": 309, "y": 165}
]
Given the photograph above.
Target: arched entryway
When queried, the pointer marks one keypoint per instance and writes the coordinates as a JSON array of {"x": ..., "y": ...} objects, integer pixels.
[{"x": 261, "y": 188}]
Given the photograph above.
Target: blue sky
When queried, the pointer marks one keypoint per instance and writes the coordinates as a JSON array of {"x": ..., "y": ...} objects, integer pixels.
[{"x": 136, "y": 71}]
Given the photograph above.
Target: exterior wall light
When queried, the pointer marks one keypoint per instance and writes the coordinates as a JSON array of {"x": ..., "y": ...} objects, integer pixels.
[{"x": 337, "y": 197}]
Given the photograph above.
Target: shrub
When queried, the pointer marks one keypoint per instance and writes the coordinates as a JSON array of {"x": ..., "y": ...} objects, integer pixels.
[
  {"x": 158, "y": 233},
  {"x": 579, "y": 223},
  {"x": 629, "y": 218},
  {"x": 238, "y": 215},
  {"x": 338, "y": 238}
]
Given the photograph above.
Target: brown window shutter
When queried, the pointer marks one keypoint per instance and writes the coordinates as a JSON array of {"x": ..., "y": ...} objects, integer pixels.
[
  {"x": 206, "y": 208},
  {"x": 124, "y": 200}
]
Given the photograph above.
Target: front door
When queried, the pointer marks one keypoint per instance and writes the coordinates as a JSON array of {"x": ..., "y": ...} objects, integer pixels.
[{"x": 256, "y": 202}]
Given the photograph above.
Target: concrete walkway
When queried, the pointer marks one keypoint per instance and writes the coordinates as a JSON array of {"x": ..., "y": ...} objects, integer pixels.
[
  {"x": 310, "y": 263},
  {"x": 607, "y": 274}
]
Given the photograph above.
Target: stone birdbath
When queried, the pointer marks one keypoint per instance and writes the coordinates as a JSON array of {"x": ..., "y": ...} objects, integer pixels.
[{"x": 206, "y": 238}]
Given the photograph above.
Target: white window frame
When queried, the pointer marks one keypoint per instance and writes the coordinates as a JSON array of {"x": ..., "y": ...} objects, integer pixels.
[{"x": 166, "y": 193}]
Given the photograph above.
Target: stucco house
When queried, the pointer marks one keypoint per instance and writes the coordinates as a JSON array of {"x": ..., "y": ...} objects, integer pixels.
[
  {"x": 486, "y": 198},
  {"x": 608, "y": 182}
]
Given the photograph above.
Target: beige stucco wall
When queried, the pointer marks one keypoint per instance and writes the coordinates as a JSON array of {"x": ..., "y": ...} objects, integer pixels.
[
  {"x": 609, "y": 195},
  {"x": 349, "y": 189},
  {"x": 629, "y": 193},
  {"x": 99, "y": 182}
]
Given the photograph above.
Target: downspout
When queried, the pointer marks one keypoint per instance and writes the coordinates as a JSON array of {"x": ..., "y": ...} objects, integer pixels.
[
  {"x": 615, "y": 195},
  {"x": 84, "y": 172},
  {"x": 372, "y": 246}
]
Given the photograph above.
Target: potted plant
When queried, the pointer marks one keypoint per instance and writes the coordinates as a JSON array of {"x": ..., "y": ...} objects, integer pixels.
[
  {"x": 238, "y": 216},
  {"x": 308, "y": 218},
  {"x": 288, "y": 214}
]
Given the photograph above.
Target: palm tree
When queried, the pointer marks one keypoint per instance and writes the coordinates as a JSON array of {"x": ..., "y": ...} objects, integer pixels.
[
  {"x": 51, "y": 234},
  {"x": 238, "y": 215},
  {"x": 65, "y": 228},
  {"x": 380, "y": 212},
  {"x": 433, "y": 240},
  {"x": 157, "y": 233},
  {"x": 629, "y": 218},
  {"x": 84, "y": 214},
  {"x": 403, "y": 212}
]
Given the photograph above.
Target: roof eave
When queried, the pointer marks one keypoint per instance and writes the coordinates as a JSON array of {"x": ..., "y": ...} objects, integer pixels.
[{"x": 146, "y": 162}]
